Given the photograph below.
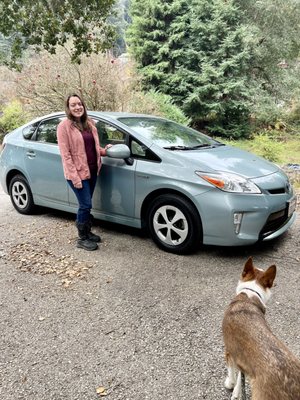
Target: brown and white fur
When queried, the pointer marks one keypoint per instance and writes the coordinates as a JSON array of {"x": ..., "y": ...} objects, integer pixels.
[{"x": 250, "y": 346}]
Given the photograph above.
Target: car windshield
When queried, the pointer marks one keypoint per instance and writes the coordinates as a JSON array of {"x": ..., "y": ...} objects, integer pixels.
[{"x": 169, "y": 134}]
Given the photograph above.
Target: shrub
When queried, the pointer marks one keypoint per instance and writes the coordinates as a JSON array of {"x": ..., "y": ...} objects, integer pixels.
[
  {"x": 236, "y": 131},
  {"x": 267, "y": 147},
  {"x": 293, "y": 115},
  {"x": 105, "y": 83},
  {"x": 159, "y": 104},
  {"x": 266, "y": 112},
  {"x": 12, "y": 117},
  {"x": 7, "y": 85}
]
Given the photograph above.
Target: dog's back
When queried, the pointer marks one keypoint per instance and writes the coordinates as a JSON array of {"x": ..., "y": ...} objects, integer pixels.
[
  {"x": 251, "y": 347},
  {"x": 274, "y": 372}
]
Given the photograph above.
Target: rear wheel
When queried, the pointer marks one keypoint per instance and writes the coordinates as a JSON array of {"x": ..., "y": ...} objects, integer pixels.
[
  {"x": 20, "y": 195},
  {"x": 174, "y": 224}
]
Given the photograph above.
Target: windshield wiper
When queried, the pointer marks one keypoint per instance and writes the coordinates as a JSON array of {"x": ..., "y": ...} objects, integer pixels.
[
  {"x": 188, "y": 147},
  {"x": 198, "y": 146},
  {"x": 177, "y": 148},
  {"x": 206, "y": 145}
]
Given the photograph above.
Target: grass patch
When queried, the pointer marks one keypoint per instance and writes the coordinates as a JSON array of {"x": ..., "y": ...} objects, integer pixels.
[{"x": 279, "y": 148}]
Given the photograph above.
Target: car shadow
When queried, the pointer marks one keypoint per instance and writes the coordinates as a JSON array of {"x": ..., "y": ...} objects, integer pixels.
[
  {"x": 259, "y": 248},
  {"x": 111, "y": 226}
]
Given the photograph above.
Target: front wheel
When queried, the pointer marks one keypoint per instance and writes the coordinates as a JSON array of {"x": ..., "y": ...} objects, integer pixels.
[
  {"x": 174, "y": 224},
  {"x": 20, "y": 195}
]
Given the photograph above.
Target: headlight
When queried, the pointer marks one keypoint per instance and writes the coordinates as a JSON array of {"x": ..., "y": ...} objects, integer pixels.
[{"x": 230, "y": 182}]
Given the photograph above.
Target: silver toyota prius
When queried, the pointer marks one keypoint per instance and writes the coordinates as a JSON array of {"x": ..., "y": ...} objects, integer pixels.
[{"x": 182, "y": 186}]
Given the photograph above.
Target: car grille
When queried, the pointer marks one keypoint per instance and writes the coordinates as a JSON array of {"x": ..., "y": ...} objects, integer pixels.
[
  {"x": 274, "y": 222},
  {"x": 277, "y": 191},
  {"x": 284, "y": 189}
]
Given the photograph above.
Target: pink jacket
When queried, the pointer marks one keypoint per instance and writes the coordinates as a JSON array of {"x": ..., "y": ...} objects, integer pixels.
[{"x": 72, "y": 150}]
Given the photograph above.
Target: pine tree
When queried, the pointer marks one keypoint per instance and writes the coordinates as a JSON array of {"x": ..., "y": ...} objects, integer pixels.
[
  {"x": 218, "y": 68},
  {"x": 120, "y": 20},
  {"x": 150, "y": 39},
  {"x": 198, "y": 53}
]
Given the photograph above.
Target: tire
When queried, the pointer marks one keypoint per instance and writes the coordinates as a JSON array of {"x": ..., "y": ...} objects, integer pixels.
[
  {"x": 180, "y": 236},
  {"x": 20, "y": 195}
]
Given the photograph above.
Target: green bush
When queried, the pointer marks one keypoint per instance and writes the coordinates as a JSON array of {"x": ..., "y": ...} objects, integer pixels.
[
  {"x": 157, "y": 103},
  {"x": 167, "y": 107},
  {"x": 12, "y": 117},
  {"x": 293, "y": 115},
  {"x": 232, "y": 130},
  {"x": 266, "y": 112},
  {"x": 267, "y": 147}
]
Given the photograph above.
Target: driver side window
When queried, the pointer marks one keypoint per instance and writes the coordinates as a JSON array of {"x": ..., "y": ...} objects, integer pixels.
[
  {"x": 109, "y": 134},
  {"x": 142, "y": 152}
]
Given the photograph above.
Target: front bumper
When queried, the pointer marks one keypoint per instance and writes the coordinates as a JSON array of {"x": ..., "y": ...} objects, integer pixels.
[
  {"x": 280, "y": 230},
  {"x": 264, "y": 217}
]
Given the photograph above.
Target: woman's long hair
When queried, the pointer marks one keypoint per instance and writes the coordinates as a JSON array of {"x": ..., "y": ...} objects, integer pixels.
[{"x": 84, "y": 120}]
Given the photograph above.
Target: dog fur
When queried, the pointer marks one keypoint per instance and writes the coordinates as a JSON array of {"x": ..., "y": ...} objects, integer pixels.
[{"x": 250, "y": 346}]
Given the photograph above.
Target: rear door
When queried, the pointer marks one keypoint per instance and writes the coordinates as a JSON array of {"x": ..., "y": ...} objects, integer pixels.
[{"x": 44, "y": 166}]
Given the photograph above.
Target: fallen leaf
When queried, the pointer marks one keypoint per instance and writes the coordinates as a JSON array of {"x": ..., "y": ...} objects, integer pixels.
[{"x": 101, "y": 391}]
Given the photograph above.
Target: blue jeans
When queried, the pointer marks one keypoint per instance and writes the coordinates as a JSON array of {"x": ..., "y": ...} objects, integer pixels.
[{"x": 84, "y": 197}]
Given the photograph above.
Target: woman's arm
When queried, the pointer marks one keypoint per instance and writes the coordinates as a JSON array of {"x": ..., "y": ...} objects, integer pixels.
[{"x": 66, "y": 156}]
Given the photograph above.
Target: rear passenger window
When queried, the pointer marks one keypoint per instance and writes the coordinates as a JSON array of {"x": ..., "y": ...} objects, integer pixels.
[
  {"x": 46, "y": 131},
  {"x": 29, "y": 130}
]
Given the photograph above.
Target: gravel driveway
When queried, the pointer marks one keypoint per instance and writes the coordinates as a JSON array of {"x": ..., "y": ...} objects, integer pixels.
[{"x": 128, "y": 321}]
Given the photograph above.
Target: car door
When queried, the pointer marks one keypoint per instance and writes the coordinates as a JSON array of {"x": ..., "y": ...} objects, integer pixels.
[
  {"x": 114, "y": 196},
  {"x": 44, "y": 166}
]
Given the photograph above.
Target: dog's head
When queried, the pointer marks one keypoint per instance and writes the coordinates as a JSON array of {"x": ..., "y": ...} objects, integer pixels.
[{"x": 257, "y": 281}]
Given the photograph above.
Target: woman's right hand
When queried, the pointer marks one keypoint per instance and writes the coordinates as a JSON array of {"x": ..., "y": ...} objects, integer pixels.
[{"x": 78, "y": 185}]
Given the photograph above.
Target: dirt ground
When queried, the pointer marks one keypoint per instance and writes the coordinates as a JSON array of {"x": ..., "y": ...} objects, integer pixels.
[{"x": 127, "y": 321}]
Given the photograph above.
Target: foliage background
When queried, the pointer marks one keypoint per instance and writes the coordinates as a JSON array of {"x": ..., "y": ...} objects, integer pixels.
[{"x": 229, "y": 68}]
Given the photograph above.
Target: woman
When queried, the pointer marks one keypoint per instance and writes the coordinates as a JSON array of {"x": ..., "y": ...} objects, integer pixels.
[{"x": 81, "y": 153}]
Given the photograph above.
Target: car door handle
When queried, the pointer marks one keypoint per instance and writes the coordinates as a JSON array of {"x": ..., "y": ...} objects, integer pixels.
[
  {"x": 30, "y": 153},
  {"x": 143, "y": 176}
]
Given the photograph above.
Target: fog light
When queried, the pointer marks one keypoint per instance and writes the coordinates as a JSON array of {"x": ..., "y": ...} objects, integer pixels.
[{"x": 237, "y": 220}]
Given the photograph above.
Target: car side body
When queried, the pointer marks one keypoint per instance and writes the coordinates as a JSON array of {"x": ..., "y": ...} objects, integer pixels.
[{"x": 152, "y": 179}]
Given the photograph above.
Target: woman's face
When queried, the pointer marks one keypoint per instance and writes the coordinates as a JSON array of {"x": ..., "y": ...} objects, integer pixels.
[{"x": 76, "y": 108}]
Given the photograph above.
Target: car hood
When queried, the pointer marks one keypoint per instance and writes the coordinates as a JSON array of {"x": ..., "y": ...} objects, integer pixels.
[{"x": 229, "y": 159}]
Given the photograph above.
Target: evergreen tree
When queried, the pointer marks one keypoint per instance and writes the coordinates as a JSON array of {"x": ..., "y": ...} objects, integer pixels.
[
  {"x": 197, "y": 52},
  {"x": 155, "y": 39},
  {"x": 120, "y": 20},
  {"x": 218, "y": 68}
]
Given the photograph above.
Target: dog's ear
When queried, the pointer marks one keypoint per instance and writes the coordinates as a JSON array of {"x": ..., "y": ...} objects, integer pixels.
[
  {"x": 248, "y": 269},
  {"x": 268, "y": 277}
]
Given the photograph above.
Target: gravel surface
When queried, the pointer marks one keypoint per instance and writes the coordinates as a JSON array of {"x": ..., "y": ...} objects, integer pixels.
[{"x": 127, "y": 321}]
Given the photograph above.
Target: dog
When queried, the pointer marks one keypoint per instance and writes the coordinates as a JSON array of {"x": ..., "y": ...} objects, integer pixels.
[{"x": 250, "y": 346}]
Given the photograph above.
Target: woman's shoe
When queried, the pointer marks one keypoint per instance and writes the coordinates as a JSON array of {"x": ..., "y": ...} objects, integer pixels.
[
  {"x": 91, "y": 236},
  {"x": 83, "y": 241}
]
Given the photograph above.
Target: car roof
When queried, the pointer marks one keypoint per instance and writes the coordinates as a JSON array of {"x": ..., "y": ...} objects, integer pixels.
[
  {"x": 110, "y": 116},
  {"x": 105, "y": 114}
]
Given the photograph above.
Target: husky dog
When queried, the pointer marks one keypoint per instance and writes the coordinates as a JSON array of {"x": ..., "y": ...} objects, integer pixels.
[{"x": 250, "y": 346}]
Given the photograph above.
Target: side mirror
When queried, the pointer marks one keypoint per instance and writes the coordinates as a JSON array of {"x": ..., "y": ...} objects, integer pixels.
[{"x": 118, "y": 151}]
